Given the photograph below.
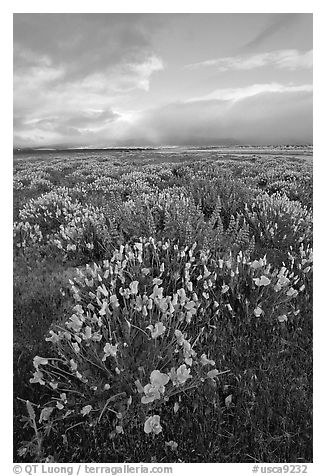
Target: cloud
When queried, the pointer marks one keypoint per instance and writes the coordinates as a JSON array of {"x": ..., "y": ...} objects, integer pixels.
[
  {"x": 281, "y": 59},
  {"x": 67, "y": 128},
  {"x": 143, "y": 71},
  {"x": 86, "y": 80},
  {"x": 81, "y": 43},
  {"x": 71, "y": 72},
  {"x": 237, "y": 94},
  {"x": 258, "y": 115},
  {"x": 277, "y": 23},
  {"x": 48, "y": 109}
]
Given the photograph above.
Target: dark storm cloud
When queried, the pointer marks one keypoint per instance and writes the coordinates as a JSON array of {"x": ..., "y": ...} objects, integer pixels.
[{"x": 81, "y": 43}]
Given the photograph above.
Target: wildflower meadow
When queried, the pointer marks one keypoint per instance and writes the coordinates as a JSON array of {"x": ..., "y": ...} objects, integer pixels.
[{"x": 162, "y": 307}]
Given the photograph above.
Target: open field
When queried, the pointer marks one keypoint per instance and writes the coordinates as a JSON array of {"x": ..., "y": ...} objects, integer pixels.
[{"x": 174, "y": 288}]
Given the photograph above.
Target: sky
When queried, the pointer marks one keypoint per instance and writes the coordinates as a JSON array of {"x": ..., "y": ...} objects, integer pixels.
[{"x": 102, "y": 80}]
